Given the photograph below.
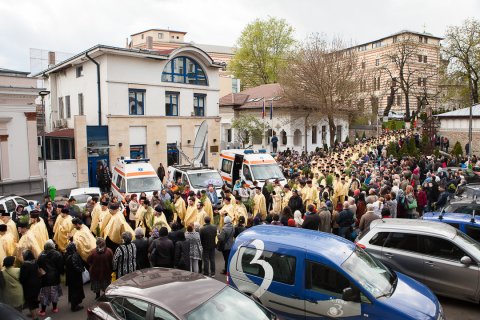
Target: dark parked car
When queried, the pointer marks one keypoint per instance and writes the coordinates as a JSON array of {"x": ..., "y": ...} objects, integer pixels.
[{"x": 171, "y": 294}]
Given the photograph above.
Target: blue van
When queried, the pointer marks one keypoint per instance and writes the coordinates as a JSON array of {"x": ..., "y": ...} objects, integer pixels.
[
  {"x": 305, "y": 274},
  {"x": 467, "y": 223}
]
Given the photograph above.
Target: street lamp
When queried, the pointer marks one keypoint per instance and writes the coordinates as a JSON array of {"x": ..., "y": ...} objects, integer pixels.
[{"x": 42, "y": 95}]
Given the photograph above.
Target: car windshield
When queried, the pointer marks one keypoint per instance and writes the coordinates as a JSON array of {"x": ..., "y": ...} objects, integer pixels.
[
  {"x": 82, "y": 198},
  {"x": 370, "y": 273},
  {"x": 267, "y": 171},
  {"x": 145, "y": 184},
  {"x": 472, "y": 246},
  {"x": 203, "y": 179},
  {"x": 232, "y": 305},
  {"x": 463, "y": 207}
]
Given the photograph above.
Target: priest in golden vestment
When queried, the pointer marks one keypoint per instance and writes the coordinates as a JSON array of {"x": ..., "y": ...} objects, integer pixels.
[
  {"x": 83, "y": 239},
  {"x": 61, "y": 229},
  {"x": 201, "y": 213},
  {"x": 260, "y": 205},
  {"x": 116, "y": 225},
  {"x": 192, "y": 212},
  {"x": 7, "y": 243},
  {"x": 11, "y": 226},
  {"x": 227, "y": 210},
  {"x": 39, "y": 228},
  {"x": 239, "y": 210},
  {"x": 180, "y": 207},
  {"x": 26, "y": 242},
  {"x": 159, "y": 219},
  {"x": 98, "y": 214}
]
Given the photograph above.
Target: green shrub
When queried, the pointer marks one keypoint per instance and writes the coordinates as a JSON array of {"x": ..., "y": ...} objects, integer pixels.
[{"x": 457, "y": 150}]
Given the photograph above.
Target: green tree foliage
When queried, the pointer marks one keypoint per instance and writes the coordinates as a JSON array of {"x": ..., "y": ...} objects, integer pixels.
[
  {"x": 261, "y": 51},
  {"x": 457, "y": 150},
  {"x": 412, "y": 147},
  {"x": 347, "y": 140},
  {"x": 247, "y": 127},
  {"x": 392, "y": 149},
  {"x": 462, "y": 49},
  {"x": 364, "y": 136}
]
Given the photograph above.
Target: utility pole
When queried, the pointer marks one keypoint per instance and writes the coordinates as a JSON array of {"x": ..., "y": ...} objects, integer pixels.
[{"x": 42, "y": 95}]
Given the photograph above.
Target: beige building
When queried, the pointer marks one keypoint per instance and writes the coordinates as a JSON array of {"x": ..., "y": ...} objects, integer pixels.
[
  {"x": 19, "y": 152},
  {"x": 164, "y": 40},
  {"x": 133, "y": 103},
  {"x": 379, "y": 60}
]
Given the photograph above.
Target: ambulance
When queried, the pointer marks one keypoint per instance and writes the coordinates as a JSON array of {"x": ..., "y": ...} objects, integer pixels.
[
  {"x": 134, "y": 176},
  {"x": 249, "y": 165}
]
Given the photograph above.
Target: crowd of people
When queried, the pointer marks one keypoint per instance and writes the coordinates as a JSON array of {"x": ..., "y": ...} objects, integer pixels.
[{"x": 340, "y": 191}]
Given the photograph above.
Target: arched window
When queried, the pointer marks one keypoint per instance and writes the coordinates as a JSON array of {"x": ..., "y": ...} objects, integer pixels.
[
  {"x": 184, "y": 70},
  {"x": 284, "y": 137},
  {"x": 297, "y": 137}
]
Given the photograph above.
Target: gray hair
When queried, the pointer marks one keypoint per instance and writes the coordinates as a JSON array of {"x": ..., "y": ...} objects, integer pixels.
[
  {"x": 139, "y": 233},
  {"x": 127, "y": 237},
  {"x": 370, "y": 207},
  {"x": 49, "y": 245}
]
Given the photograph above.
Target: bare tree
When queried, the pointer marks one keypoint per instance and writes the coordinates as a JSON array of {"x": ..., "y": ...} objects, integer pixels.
[
  {"x": 402, "y": 74},
  {"x": 462, "y": 48},
  {"x": 322, "y": 77}
]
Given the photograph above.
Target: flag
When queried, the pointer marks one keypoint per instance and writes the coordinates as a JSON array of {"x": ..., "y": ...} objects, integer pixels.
[
  {"x": 271, "y": 109},
  {"x": 263, "y": 108}
]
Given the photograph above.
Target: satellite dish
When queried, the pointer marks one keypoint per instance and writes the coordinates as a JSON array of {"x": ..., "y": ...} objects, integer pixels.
[{"x": 200, "y": 142}]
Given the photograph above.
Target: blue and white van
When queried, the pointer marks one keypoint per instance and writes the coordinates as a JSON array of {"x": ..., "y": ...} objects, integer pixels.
[{"x": 304, "y": 274}]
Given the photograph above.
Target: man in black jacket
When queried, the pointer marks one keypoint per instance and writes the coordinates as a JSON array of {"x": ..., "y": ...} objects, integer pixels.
[
  {"x": 208, "y": 233},
  {"x": 162, "y": 250},
  {"x": 295, "y": 202},
  {"x": 312, "y": 219}
]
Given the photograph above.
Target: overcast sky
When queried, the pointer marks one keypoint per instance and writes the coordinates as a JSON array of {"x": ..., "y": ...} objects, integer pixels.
[{"x": 73, "y": 26}]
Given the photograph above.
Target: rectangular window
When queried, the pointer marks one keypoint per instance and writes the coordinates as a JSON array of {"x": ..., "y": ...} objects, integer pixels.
[
  {"x": 473, "y": 232},
  {"x": 81, "y": 111},
  {"x": 79, "y": 71},
  {"x": 363, "y": 64},
  {"x": 68, "y": 114},
  {"x": 137, "y": 151},
  {"x": 325, "y": 280},
  {"x": 339, "y": 133},
  {"x": 314, "y": 134},
  {"x": 425, "y": 39},
  {"x": 424, "y": 59},
  {"x": 420, "y": 39},
  {"x": 171, "y": 103},
  {"x": 136, "y": 102},
  {"x": 199, "y": 104},
  {"x": 283, "y": 265},
  {"x": 419, "y": 82},
  {"x": 160, "y": 36},
  {"x": 395, "y": 39},
  {"x": 394, "y": 82},
  {"x": 403, "y": 241},
  {"x": 420, "y": 58},
  {"x": 377, "y": 62},
  {"x": 399, "y": 100},
  {"x": 60, "y": 108},
  {"x": 229, "y": 135},
  {"x": 227, "y": 165},
  {"x": 442, "y": 248},
  {"x": 324, "y": 134}
]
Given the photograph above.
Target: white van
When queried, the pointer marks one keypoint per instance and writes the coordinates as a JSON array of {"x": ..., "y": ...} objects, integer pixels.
[
  {"x": 249, "y": 165},
  {"x": 134, "y": 176},
  {"x": 198, "y": 178}
]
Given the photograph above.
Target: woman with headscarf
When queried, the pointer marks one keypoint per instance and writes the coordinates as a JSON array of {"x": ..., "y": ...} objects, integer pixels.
[
  {"x": 31, "y": 282},
  {"x": 401, "y": 209},
  {"x": 74, "y": 281},
  {"x": 125, "y": 257},
  {"x": 196, "y": 250},
  {"x": 141, "y": 243},
  {"x": 100, "y": 262},
  {"x": 297, "y": 216},
  {"x": 51, "y": 264},
  {"x": 12, "y": 290}
]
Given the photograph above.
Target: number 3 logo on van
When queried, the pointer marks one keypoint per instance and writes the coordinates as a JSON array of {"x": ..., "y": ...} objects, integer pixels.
[{"x": 267, "y": 268}]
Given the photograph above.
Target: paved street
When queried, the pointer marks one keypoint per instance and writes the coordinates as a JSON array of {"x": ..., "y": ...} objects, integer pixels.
[{"x": 454, "y": 309}]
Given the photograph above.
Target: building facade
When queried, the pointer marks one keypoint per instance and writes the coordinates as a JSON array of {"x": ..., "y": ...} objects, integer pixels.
[
  {"x": 134, "y": 103},
  {"x": 295, "y": 128},
  {"x": 19, "y": 168},
  {"x": 455, "y": 126},
  {"x": 414, "y": 54},
  {"x": 164, "y": 40}
]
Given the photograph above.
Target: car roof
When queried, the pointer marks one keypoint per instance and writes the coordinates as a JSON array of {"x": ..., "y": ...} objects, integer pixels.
[
  {"x": 450, "y": 217},
  {"x": 421, "y": 226},
  {"x": 176, "y": 290},
  {"x": 326, "y": 245},
  {"x": 91, "y": 190}
]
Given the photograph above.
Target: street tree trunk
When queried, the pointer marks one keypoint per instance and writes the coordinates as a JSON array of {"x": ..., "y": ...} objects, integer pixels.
[{"x": 332, "y": 128}]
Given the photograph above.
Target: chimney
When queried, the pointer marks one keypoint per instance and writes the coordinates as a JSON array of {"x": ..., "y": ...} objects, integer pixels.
[
  {"x": 149, "y": 43},
  {"x": 51, "y": 58}
]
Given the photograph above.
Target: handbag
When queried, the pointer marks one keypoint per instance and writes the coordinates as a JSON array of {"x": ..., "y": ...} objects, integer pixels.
[
  {"x": 220, "y": 245},
  {"x": 85, "y": 276},
  {"x": 412, "y": 205}
]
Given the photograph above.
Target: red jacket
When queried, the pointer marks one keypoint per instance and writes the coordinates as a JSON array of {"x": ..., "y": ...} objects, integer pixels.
[{"x": 421, "y": 198}]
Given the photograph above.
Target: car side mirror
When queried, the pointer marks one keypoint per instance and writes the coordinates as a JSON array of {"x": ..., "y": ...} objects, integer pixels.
[
  {"x": 349, "y": 294},
  {"x": 466, "y": 260}
]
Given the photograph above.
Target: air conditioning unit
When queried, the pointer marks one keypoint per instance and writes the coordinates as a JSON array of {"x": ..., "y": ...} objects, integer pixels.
[{"x": 61, "y": 123}]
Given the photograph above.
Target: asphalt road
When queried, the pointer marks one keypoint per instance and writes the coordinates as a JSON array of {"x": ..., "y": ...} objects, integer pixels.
[{"x": 454, "y": 309}]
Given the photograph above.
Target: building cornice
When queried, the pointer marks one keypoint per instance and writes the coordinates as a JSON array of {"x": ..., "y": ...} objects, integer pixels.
[
  {"x": 112, "y": 116},
  {"x": 166, "y": 85}
]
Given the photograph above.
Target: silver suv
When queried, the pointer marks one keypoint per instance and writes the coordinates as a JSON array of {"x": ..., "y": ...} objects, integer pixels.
[{"x": 436, "y": 254}]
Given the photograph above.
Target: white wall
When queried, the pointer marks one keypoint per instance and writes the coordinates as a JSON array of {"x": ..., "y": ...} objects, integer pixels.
[
  {"x": 61, "y": 173},
  {"x": 17, "y": 140}
]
